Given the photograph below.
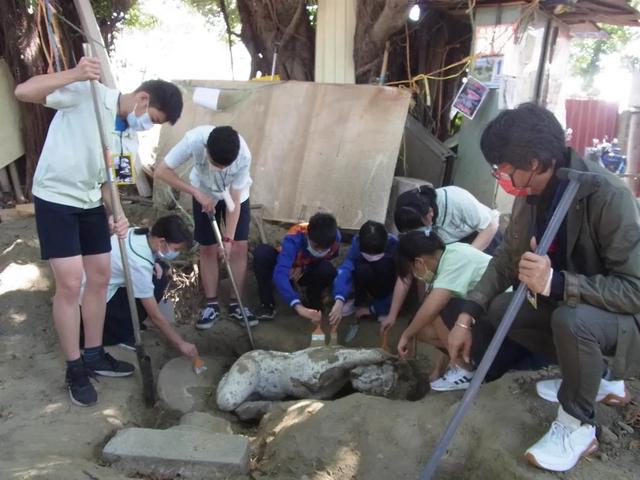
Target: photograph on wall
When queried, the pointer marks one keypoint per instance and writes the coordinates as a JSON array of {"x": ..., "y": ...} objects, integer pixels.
[
  {"x": 488, "y": 70},
  {"x": 470, "y": 97}
]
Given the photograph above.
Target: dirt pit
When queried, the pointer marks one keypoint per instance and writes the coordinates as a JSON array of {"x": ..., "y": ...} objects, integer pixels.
[{"x": 43, "y": 436}]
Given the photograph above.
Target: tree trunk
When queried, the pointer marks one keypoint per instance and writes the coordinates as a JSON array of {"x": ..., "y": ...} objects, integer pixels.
[
  {"x": 282, "y": 23},
  {"x": 22, "y": 48},
  {"x": 376, "y": 22}
]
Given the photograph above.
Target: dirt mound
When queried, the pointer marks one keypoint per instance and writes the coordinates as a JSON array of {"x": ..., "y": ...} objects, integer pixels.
[{"x": 373, "y": 438}]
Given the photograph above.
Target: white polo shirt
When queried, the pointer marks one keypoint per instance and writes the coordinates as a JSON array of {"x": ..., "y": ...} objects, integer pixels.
[
  {"x": 71, "y": 169},
  {"x": 460, "y": 214},
  {"x": 204, "y": 176},
  {"x": 141, "y": 264}
]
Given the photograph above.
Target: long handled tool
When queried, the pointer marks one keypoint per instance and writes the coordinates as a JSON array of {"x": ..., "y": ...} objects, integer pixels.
[
  {"x": 144, "y": 362},
  {"x": 575, "y": 179},
  {"x": 234, "y": 285}
]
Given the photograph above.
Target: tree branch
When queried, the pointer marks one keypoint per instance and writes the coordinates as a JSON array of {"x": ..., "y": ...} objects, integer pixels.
[
  {"x": 291, "y": 28},
  {"x": 393, "y": 17}
]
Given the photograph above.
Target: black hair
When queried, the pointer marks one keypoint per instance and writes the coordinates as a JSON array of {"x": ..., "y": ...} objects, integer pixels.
[
  {"x": 164, "y": 96},
  {"x": 413, "y": 205},
  {"x": 412, "y": 245},
  {"x": 172, "y": 228},
  {"x": 322, "y": 229},
  {"x": 523, "y": 134},
  {"x": 223, "y": 145},
  {"x": 373, "y": 237}
]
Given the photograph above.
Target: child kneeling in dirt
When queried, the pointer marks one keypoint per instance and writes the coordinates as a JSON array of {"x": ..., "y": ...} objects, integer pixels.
[
  {"x": 452, "y": 271},
  {"x": 305, "y": 260},
  {"x": 367, "y": 271},
  {"x": 148, "y": 253}
]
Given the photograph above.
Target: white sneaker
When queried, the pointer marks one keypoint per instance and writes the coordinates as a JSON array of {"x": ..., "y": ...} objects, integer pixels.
[
  {"x": 566, "y": 442},
  {"x": 349, "y": 308},
  {"x": 611, "y": 392},
  {"x": 455, "y": 378}
]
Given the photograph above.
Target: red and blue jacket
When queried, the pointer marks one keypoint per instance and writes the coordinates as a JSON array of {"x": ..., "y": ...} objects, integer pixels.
[
  {"x": 293, "y": 254},
  {"x": 343, "y": 284}
]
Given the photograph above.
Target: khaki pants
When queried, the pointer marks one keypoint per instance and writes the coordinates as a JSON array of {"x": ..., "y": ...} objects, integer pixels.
[{"x": 576, "y": 338}]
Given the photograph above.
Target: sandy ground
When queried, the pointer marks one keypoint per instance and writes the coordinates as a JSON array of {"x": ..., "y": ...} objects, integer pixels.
[{"x": 43, "y": 436}]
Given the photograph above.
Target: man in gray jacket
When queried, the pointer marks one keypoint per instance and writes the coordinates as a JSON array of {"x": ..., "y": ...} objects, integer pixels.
[{"x": 584, "y": 298}]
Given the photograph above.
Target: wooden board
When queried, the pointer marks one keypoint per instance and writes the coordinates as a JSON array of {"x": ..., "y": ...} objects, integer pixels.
[{"x": 314, "y": 146}]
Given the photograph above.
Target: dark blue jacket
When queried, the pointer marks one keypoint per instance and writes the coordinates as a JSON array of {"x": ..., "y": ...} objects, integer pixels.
[
  {"x": 343, "y": 284},
  {"x": 294, "y": 253}
]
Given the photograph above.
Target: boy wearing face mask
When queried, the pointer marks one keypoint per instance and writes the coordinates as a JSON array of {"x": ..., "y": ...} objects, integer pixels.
[
  {"x": 73, "y": 207},
  {"x": 304, "y": 260},
  {"x": 367, "y": 271},
  {"x": 220, "y": 182},
  {"x": 150, "y": 252}
]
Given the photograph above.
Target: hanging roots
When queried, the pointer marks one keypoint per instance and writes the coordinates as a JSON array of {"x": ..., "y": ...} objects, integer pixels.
[
  {"x": 632, "y": 414},
  {"x": 184, "y": 291}
]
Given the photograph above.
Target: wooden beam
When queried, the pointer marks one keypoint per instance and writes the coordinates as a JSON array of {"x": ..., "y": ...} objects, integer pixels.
[{"x": 94, "y": 38}]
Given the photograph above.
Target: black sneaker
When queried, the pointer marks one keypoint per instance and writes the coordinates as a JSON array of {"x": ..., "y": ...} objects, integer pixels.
[
  {"x": 107, "y": 366},
  {"x": 210, "y": 315},
  {"x": 236, "y": 314},
  {"x": 266, "y": 312},
  {"x": 81, "y": 391}
]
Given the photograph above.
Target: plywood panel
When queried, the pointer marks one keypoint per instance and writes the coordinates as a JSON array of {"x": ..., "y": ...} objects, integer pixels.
[
  {"x": 10, "y": 137},
  {"x": 314, "y": 146}
]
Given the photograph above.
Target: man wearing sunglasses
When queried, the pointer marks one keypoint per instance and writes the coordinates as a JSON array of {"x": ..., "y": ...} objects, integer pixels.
[{"x": 584, "y": 296}]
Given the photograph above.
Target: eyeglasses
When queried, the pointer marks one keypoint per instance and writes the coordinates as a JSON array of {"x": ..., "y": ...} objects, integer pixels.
[{"x": 500, "y": 174}]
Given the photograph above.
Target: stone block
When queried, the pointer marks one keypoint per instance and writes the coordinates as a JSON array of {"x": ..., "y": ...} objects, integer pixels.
[
  {"x": 179, "y": 388},
  {"x": 176, "y": 453}
]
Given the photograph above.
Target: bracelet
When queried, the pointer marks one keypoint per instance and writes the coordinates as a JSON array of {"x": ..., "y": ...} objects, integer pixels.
[
  {"x": 458, "y": 324},
  {"x": 227, "y": 240}
]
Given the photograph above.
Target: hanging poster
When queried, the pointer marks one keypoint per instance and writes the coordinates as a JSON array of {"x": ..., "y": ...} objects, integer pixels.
[{"x": 470, "y": 97}]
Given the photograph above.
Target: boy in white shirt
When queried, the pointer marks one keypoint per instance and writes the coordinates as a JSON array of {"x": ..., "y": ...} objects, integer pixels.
[
  {"x": 73, "y": 207},
  {"x": 219, "y": 184}
]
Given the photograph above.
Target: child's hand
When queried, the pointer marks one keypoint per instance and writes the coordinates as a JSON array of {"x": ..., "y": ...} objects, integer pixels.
[
  {"x": 188, "y": 349},
  {"x": 403, "y": 346},
  {"x": 88, "y": 68},
  {"x": 119, "y": 227},
  {"x": 387, "y": 324},
  {"x": 335, "y": 315},
  {"x": 314, "y": 315}
]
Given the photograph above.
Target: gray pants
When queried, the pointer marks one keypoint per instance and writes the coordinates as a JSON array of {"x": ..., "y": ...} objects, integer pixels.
[{"x": 574, "y": 337}]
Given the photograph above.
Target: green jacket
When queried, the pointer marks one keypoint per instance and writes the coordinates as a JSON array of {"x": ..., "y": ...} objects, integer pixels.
[{"x": 603, "y": 257}]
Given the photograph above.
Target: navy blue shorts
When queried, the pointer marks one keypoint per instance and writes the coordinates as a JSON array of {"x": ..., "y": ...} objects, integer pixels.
[
  {"x": 66, "y": 231},
  {"x": 203, "y": 231}
]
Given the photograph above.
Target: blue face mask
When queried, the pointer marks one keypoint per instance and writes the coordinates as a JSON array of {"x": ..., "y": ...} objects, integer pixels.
[
  {"x": 141, "y": 123},
  {"x": 318, "y": 253}
]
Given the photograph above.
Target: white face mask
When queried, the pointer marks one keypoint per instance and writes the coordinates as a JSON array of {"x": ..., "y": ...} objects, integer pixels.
[
  {"x": 318, "y": 253},
  {"x": 141, "y": 123},
  {"x": 372, "y": 258}
]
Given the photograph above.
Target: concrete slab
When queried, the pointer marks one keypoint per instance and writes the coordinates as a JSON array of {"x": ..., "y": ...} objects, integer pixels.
[
  {"x": 179, "y": 388},
  {"x": 175, "y": 453},
  {"x": 206, "y": 422}
]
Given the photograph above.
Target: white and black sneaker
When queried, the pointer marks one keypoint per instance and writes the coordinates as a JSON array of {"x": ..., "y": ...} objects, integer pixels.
[
  {"x": 266, "y": 312},
  {"x": 210, "y": 315},
  {"x": 81, "y": 391},
  {"x": 107, "y": 366},
  {"x": 236, "y": 314},
  {"x": 455, "y": 378}
]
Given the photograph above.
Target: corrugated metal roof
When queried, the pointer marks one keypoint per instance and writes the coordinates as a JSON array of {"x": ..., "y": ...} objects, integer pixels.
[{"x": 571, "y": 12}]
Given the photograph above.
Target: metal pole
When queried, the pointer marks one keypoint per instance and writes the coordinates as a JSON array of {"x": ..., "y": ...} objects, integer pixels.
[
  {"x": 216, "y": 231},
  {"x": 144, "y": 362},
  {"x": 575, "y": 179}
]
